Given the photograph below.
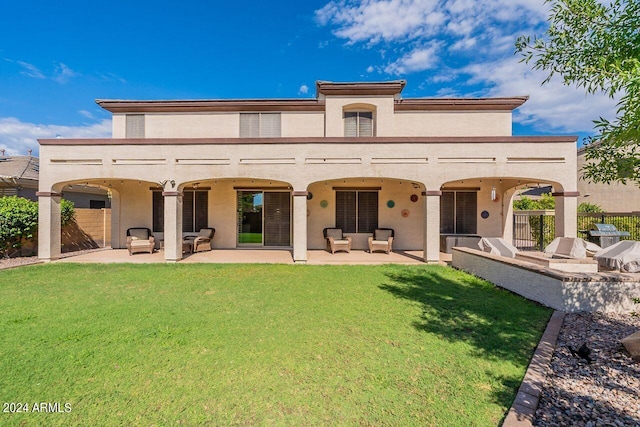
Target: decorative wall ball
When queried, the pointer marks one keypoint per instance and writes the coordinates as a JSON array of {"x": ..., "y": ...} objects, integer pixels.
[
  {"x": 391, "y": 204},
  {"x": 404, "y": 213},
  {"x": 414, "y": 198}
]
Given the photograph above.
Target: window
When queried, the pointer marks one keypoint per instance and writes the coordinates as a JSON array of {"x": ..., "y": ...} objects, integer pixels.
[
  {"x": 260, "y": 125},
  {"x": 195, "y": 211},
  {"x": 357, "y": 211},
  {"x": 358, "y": 123},
  {"x": 458, "y": 212},
  {"x": 97, "y": 204},
  {"x": 134, "y": 126}
]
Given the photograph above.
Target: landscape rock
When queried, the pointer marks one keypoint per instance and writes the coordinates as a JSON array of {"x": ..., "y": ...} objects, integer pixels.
[{"x": 632, "y": 344}]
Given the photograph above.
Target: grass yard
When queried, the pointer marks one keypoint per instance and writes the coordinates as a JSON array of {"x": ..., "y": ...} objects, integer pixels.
[{"x": 260, "y": 345}]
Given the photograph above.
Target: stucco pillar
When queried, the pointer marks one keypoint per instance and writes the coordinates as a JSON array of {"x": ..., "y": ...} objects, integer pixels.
[
  {"x": 116, "y": 236},
  {"x": 507, "y": 215},
  {"x": 172, "y": 225},
  {"x": 300, "y": 227},
  {"x": 432, "y": 226},
  {"x": 566, "y": 220},
  {"x": 49, "y": 239}
]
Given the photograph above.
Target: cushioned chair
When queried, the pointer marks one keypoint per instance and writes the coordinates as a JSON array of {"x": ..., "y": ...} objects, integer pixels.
[
  {"x": 382, "y": 240},
  {"x": 140, "y": 239},
  {"x": 202, "y": 242},
  {"x": 336, "y": 241}
]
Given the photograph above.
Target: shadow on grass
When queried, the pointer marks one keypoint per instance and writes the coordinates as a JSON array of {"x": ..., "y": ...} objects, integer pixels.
[{"x": 457, "y": 307}]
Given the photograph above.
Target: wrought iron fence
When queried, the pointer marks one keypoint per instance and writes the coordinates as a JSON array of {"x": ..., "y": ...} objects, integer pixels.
[{"x": 533, "y": 230}]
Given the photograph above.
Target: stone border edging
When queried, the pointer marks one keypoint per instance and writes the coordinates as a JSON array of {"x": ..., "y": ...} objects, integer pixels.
[{"x": 523, "y": 409}]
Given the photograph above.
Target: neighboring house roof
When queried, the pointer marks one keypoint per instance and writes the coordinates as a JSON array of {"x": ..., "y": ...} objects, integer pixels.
[
  {"x": 538, "y": 191},
  {"x": 19, "y": 168}
]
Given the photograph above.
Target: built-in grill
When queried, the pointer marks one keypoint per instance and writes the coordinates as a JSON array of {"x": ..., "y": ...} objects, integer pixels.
[{"x": 605, "y": 235}]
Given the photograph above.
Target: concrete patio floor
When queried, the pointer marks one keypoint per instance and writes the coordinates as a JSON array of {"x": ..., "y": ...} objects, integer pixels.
[{"x": 268, "y": 256}]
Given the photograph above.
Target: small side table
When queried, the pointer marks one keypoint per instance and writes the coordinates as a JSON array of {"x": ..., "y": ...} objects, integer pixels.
[{"x": 187, "y": 246}]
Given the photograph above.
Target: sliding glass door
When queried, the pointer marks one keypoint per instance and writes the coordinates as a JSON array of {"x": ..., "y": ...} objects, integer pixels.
[{"x": 264, "y": 218}]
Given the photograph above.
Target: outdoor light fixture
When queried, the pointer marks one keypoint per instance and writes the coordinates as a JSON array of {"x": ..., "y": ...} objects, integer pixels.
[{"x": 493, "y": 193}]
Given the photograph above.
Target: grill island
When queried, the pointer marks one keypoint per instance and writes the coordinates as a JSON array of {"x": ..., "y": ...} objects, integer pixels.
[{"x": 605, "y": 235}]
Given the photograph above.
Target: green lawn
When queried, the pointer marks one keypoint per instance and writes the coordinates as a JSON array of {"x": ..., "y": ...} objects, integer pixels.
[{"x": 261, "y": 345}]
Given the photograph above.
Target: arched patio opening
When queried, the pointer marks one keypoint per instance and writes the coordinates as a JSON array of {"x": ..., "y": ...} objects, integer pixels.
[{"x": 358, "y": 205}]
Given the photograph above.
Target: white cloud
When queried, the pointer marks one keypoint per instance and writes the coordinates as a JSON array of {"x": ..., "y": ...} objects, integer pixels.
[
  {"x": 552, "y": 106},
  {"x": 30, "y": 70},
  {"x": 469, "y": 46},
  {"x": 18, "y": 137},
  {"x": 63, "y": 73},
  {"x": 373, "y": 21},
  {"x": 304, "y": 89},
  {"x": 420, "y": 59}
]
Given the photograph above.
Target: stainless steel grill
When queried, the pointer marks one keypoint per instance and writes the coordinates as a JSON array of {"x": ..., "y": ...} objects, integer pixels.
[{"x": 605, "y": 234}]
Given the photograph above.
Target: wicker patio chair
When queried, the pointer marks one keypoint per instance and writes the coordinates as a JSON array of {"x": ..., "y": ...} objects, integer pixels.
[
  {"x": 140, "y": 239},
  {"x": 202, "y": 242},
  {"x": 336, "y": 241},
  {"x": 382, "y": 240}
]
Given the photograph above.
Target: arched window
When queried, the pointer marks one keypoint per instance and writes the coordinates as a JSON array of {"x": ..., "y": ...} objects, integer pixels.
[{"x": 358, "y": 122}]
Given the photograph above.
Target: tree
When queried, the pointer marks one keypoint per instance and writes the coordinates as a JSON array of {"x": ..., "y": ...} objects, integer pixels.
[{"x": 596, "y": 45}]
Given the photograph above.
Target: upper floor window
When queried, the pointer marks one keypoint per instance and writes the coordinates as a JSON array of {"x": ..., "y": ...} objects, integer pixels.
[
  {"x": 358, "y": 123},
  {"x": 260, "y": 125},
  {"x": 134, "y": 126}
]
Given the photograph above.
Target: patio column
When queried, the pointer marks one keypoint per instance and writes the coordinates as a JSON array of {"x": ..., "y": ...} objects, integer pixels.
[
  {"x": 432, "y": 226},
  {"x": 116, "y": 236},
  {"x": 300, "y": 227},
  {"x": 172, "y": 225},
  {"x": 566, "y": 220},
  {"x": 49, "y": 240}
]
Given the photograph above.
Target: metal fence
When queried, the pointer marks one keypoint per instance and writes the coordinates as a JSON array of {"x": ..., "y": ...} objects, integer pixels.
[{"x": 533, "y": 230}]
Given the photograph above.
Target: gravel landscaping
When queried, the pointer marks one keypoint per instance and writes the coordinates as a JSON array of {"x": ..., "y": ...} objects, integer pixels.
[{"x": 604, "y": 392}]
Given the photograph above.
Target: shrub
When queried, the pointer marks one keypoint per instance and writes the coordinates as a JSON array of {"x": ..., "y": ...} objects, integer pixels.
[
  {"x": 67, "y": 212},
  {"x": 18, "y": 221},
  {"x": 585, "y": 207}
]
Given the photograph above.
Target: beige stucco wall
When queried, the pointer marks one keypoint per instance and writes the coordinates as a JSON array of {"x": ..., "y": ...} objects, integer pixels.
[
  {"x": 467, "y": 123},
  {"x": 431, "y": 164},
  {"x": 312, "y": 124},
  {"x": 614, "y": 197},
  {"x": 568, "y": 292},
  {"x": 201, "y": 125}
]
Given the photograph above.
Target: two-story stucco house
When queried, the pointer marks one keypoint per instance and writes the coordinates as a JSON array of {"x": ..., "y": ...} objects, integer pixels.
[{"x": 276, "y": 172}]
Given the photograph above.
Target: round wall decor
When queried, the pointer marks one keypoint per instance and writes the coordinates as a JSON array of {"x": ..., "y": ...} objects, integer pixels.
[
  {"x": 324, "y": 204},
  {"x": 309, "y": 195},
  {"x": 391, "y": 204},
  {"x": 404, "y": 213},
  {"x": 484, "y": 214},
  {"x": 414, "y": 198}
]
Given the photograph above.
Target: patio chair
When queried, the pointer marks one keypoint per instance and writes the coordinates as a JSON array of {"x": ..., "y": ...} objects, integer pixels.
[
  {"x": 140, "y": 239},
  {"x": 336, "y": 241},
  {"x": 202, "y": 242},
  {"x": 382, "y": 240}
]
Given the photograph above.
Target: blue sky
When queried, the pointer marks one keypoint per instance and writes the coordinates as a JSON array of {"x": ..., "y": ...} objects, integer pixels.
[{"x": 56, "y": 58}]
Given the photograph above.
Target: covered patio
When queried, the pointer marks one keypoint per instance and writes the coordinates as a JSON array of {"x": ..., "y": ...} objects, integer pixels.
[{"x": 254, "y": 256}]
